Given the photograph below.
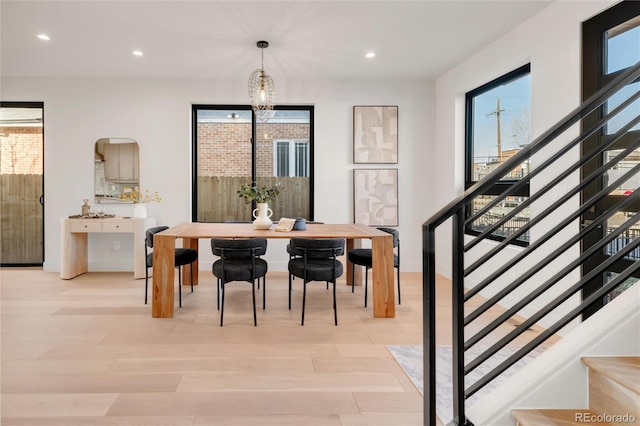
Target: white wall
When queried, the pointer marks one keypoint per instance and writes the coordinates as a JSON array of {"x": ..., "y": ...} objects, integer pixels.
[
  {"x": 156, "y": 113},
  {"x": 551, "y": 42},
  {"x": 612, "y": 331}
]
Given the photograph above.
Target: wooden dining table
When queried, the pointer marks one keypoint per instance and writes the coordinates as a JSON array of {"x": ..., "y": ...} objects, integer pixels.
[{"x": 190, "y": 232}]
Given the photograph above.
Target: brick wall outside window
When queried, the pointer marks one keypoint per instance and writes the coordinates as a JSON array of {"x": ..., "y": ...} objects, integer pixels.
[
  {"x": 224, "y": 149},
  {"x": 21, "y": 150}
]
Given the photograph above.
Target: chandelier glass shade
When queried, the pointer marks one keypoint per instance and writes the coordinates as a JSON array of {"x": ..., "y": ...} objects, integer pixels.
[{"x": 262, "y": 90}]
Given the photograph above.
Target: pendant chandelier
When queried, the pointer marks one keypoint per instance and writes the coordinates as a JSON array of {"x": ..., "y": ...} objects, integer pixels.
[{"x": 262, "y": 91}]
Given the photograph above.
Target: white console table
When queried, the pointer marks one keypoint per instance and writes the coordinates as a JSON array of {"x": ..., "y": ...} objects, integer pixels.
[{"x": 74, "y": 242}]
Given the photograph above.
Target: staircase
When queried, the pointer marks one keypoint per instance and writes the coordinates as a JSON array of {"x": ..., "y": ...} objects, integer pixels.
[
  {"x": 614, "y": 397},
  {"x": 529, "y": 279}
]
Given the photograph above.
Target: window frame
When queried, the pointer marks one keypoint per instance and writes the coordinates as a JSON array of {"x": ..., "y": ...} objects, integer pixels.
[
  {"x": 254, "y": 122},
  {"x": 499, "y": 187}
]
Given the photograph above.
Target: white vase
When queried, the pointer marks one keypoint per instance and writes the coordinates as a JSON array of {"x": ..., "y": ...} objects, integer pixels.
[
  {"x": 263, "y": 216},
  {"x": 140, "y": 210}
]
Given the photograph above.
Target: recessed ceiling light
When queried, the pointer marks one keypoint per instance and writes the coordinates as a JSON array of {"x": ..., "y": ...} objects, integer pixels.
[
  {"x": 370, "y": 55},
  {"x": 137, "y": 53},
  {"x": 43, "y": 37}
]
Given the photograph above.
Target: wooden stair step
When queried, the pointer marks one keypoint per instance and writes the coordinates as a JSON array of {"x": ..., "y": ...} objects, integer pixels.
[
  {"x": 624, "y": 370},
  {"x": 614, "y": 385},
  {"x": 557, "y": 417}
]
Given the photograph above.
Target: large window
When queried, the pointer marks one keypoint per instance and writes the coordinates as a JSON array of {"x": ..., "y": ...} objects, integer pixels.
[
  {"x": 497, "y": 127},
  {"x": 230, "y": 148}
]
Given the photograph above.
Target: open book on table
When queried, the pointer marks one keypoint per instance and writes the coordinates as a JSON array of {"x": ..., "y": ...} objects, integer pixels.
[{"x": 285, "y": 224}]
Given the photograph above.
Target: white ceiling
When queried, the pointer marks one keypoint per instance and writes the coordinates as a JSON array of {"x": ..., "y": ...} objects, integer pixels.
[{"x": 217, "y": 39}]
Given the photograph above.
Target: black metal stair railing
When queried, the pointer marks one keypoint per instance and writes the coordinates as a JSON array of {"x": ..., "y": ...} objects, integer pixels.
[{"x": 619, "y": 242}]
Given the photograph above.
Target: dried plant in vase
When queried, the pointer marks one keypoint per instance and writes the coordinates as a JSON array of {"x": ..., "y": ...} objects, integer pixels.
[{"x": 137, "y": 196}]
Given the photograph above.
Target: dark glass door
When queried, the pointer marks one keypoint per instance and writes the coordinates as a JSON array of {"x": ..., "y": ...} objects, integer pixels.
[
  {"x": 22, "y": 183},
  {"x": 611, "y": 44}
]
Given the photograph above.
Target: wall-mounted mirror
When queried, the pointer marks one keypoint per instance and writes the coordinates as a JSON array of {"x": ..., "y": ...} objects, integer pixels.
[{"x": 116, "y": 169}]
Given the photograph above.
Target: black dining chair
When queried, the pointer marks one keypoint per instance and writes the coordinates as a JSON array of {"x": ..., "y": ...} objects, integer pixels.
[
  {"x": 183, "y": 256},
  {"x": 315, "y": 260},
  {"x": 292, "y": 255},
  {"x": 362, "y": 257},
  {"x": 239, "y": 261},
  {"x": 242, "y": 221}
]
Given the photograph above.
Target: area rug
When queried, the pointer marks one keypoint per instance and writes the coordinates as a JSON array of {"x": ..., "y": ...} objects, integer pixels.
[{"x": 409, "y": 357}]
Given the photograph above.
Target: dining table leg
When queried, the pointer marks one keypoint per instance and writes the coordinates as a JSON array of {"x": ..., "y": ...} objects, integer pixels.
[
  {"x": 353, "y": 243},
  {"x": 162, "y": 303},
  {"x": 191, "y": 243},
  {"x": 384, "y": 303}
]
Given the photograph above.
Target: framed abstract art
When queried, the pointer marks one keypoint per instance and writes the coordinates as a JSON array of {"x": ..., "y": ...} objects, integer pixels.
[
  {"x": 375, "y": 134},
  {"x": 375, "y": 196}
]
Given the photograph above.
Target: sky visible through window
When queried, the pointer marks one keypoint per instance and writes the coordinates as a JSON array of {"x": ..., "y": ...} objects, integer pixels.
[
  {"x": 515, "y": 106},
  {"x": 500, "y": 126},
  {"x": 623, "y": 51}
]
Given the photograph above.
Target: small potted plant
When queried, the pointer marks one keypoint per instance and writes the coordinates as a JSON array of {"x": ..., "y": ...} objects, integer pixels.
[{"x": 262, "y": 196}]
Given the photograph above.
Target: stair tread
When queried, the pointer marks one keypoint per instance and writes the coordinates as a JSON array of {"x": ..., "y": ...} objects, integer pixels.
[
  {"x": 556, "y": 417},
  {"x": 624, "y": 370}
]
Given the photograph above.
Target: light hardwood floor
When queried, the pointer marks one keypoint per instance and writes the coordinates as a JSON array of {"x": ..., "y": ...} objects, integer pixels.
[{"x": 87, "y": 352}]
